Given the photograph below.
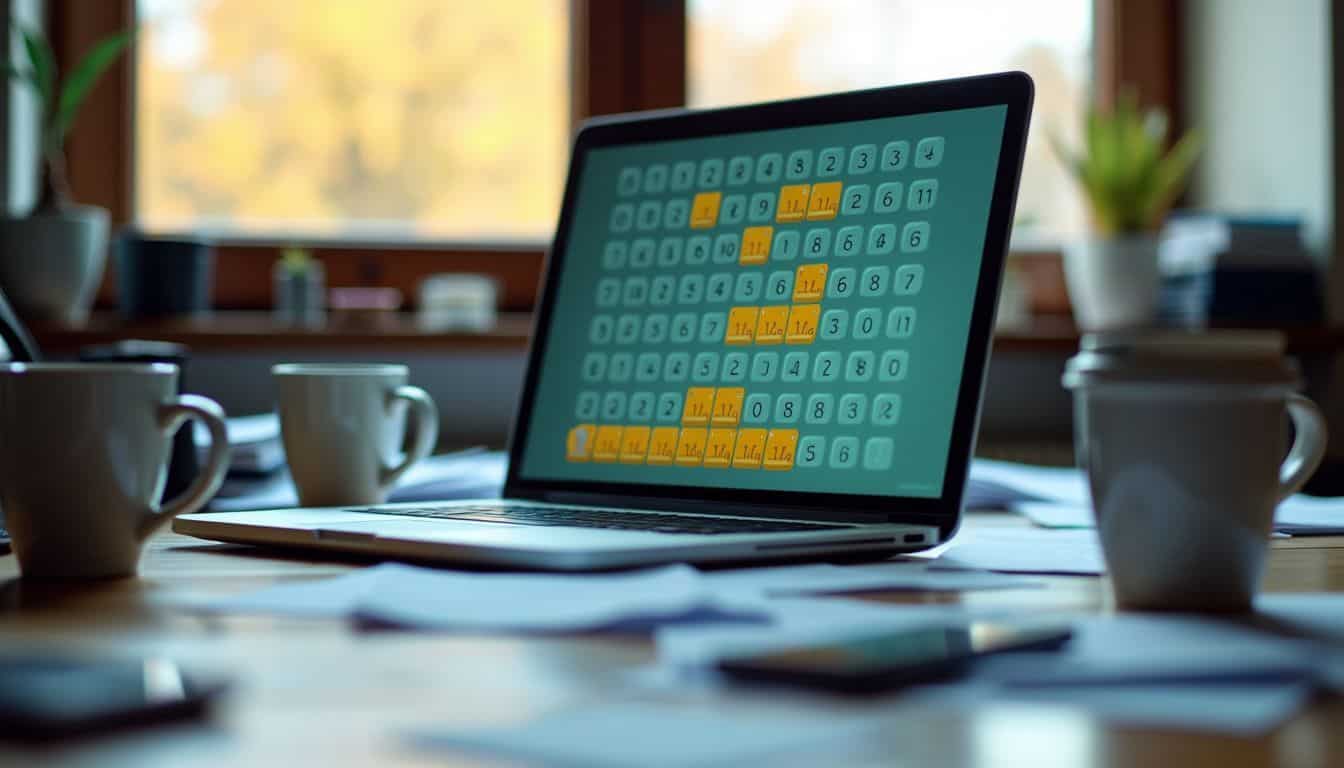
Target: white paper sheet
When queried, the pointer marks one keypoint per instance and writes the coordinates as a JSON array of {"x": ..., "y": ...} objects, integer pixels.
[
  {"x": 1058, "y": 497},
  {"x": 1014, "y": 549},
  {"x": 1231, "y": 709},
  {"x": 1299, "y": 515},
  {"x": 473, "y": 475},
  {"x": 997, "y": 484},
  {"x": 428, "y": 599},
  {"x": 656, "y": 735},
  {"x": 1131, "y": 649},
  {"x": 826, "y": 578},
  {"x": 422, "y": 598}
]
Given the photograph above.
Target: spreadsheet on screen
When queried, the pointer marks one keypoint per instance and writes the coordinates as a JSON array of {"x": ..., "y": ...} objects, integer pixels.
[{"x": 775, "y": 310}]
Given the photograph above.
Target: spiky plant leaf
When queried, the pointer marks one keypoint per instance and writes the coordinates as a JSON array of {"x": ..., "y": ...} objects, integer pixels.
[
  {"x": 42, "y": 63},
  {"x": 81, "y": 80},
  {"x": 1129, "y": 181}
]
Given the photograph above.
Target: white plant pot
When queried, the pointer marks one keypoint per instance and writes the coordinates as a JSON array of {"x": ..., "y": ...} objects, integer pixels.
[
  {"x": 51, "y": 263},
  {"x": 1113, "y": 283}
]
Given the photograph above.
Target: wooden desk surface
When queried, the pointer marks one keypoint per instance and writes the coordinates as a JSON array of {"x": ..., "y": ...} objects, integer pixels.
[{"x": 310, "y": 692}]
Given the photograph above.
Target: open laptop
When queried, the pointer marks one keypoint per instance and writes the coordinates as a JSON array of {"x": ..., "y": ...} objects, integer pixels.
[{"x": 763, "y": 335}]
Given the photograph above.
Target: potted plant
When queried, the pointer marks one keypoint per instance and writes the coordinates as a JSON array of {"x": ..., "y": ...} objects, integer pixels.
[
  {"x": 1130, "y": 180},
  {"x": 52, "y": 260}
]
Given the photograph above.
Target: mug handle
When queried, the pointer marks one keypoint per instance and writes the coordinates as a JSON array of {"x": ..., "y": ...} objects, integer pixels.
[
  {"x": 172, "y": 415},
  {"x": 1308, "y": 445},
  {"x": 426, "y": 432}
]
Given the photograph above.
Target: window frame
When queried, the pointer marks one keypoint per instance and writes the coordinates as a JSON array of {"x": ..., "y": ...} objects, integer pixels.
[{"x": 625, "y": 56}]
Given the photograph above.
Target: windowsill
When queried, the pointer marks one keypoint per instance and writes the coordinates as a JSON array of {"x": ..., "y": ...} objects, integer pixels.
[
  {"x": 260, "y": 330},
  {"x": 402, "y": 331}
]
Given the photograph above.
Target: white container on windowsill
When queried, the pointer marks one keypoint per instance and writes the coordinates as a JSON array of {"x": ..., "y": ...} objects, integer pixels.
[
  {"x": 1113, "y": 282},
  {"x": 300, "y": 294}
]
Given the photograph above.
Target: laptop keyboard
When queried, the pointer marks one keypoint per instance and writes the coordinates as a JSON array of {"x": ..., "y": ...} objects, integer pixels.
[{"x": 601, "y": 518}]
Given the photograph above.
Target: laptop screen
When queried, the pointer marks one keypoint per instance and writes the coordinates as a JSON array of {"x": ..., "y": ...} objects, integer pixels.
[{"x": 782, "y": 310}]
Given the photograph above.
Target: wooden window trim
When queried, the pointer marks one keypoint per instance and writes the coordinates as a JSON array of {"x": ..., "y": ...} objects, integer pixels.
[
  {"x": 627, "y": 55},
  {"x": 1136, "y": 45}
]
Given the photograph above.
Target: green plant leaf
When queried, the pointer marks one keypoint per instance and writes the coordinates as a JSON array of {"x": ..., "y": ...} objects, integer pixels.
[
  {"x": 1170, "y": 176},
  {"x": 1127, "y": 178},
  {"x": 82, "y": 79},
  {"x": 42, "y": 63}
]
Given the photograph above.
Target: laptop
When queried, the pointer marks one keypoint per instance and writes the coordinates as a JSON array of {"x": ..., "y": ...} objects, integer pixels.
[{"x": 762, "y": 334}]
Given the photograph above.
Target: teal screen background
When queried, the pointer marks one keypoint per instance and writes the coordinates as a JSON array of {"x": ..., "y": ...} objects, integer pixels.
[{"x": 936, "y": 348}]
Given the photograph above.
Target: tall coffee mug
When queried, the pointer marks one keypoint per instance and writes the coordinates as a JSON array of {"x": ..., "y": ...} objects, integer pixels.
[
  {"x": 83, "y": 458},
  {"x": 1183, "y": 439},
  {"x": 343, "y": 427}
]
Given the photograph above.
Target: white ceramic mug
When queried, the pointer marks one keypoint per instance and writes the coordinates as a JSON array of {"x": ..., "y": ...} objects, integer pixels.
[
  {"x": 83, "y": 458},
  {"x": 1183, "y": 436},
  {"x": 343, "y": 426}
]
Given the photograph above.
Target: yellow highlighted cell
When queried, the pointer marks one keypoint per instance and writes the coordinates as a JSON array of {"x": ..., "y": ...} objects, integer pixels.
[
  {"x": 663, "y": 446},
  {"x": 772, "y": 324},
  {"x": 792, "y": 203},
  {"x": 719, "y": 449},
  {"x": 728, "y": 406},
  {"x": 741, "y": 325},
  {"x": 809, "y": 282},
  {"x": 691, "y": 447},
  {"x": 579, "y": 443},
  {"x": 699, "y": 405},
  {"x": 780, "y": 448},
  {"x": 634, "y": 445},
  {"x": 756, "y": 245},
  {"x": 750, "y": 448},
  {"x": 825, "y": 201},
  {"x": 705, "y": 210},
  {"x": 803, "y": 320},
  {"x": 607, "y": 444}
]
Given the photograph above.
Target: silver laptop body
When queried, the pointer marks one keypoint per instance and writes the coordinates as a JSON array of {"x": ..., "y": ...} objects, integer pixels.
[{"x": 762, "y": 335}]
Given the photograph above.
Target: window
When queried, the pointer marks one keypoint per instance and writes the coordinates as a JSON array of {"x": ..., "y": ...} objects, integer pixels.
[
  {"x": 753, "y": 51},
  {"x": 394, "y": 120}
]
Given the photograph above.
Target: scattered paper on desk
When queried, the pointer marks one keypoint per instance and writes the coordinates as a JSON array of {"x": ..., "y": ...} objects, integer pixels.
[
  {"x": 1013, "y": 549},
  {"x": 397, "y": 595},
  {"x": 1298, "y": 516},
  {"x": 998, "y": 484},
  {"x": 827, "y": 578},
  {"x": 334, "y": 598},
  {"x": 1236, "y": 709},
  {"x": 636, "y": 733},
  {"x": 420, "y": 598},
  {"x": 449, "y": 476},
  {"x": 1131, "y": 649}
]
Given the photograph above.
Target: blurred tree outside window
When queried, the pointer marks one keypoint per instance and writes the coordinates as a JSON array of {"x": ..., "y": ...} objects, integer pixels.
[
  {"x": 751, "y": 50},
  {"x": 395, "y": 119}
]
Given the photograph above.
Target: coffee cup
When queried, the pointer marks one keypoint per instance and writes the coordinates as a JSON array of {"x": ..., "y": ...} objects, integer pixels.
[
  {"x": 1183, "y": 438},
  {"x": 83, "y": 460},
  {"x": 343, "y": 426}
]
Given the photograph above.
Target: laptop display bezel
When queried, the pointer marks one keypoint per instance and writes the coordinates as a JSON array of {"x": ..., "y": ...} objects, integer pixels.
[{"x": 1013, "y": 90}]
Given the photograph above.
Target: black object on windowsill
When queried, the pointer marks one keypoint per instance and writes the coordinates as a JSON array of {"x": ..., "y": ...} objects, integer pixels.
[{"x": 159, "y": 276}]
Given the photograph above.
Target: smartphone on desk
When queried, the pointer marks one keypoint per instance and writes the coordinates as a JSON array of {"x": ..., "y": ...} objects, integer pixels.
[
  {"x": 46, "y": 698},
  {"x": 884, "y": 662}
]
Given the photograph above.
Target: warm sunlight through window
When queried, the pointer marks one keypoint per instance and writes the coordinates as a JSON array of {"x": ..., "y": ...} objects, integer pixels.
[
  {"x": 753, "y": 51},
  {"x": 396, "y": 119}
]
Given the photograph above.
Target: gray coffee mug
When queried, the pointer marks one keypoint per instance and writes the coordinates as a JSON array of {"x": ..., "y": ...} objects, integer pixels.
[
  {"x": 343, "y": 426},
  {"x": 83, "y": 459},
  {"x": 1182, "y": 436}
]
